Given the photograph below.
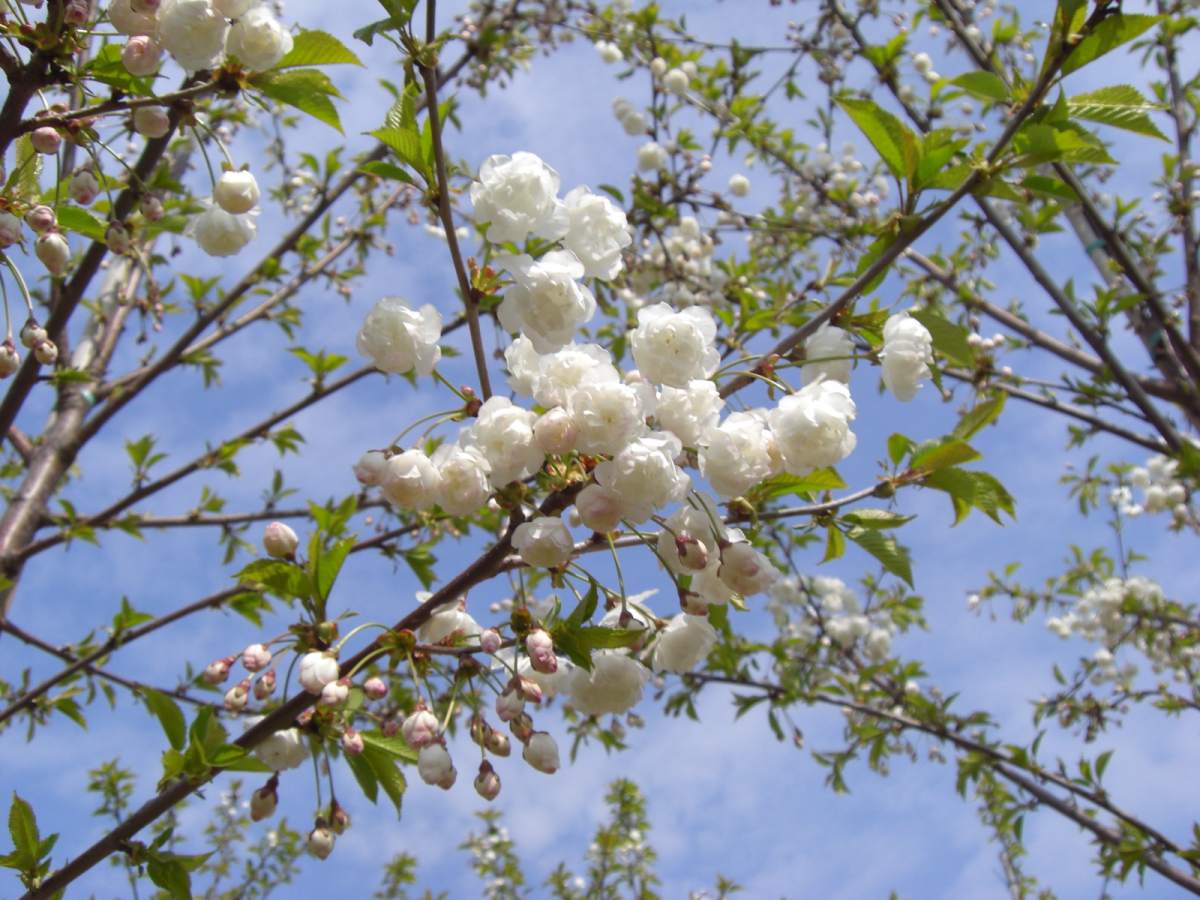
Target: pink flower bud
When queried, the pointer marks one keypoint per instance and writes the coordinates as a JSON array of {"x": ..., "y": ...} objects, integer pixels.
[
  {"x": 10, "y": 359},
  {"x": 84, "y": 187},
  {"x": 151, "y": 207},
  {"x": 435, "y": 766},
  {"x": 509, "y": 704},
  {"x": 497, "y": 744},
  {"x": 265, "y": 686},
  {"x": 116, "y": 236},
  {"x": 541, "y": 752},
  {"x": 32, "y": 334},
  {"x": 77, "y": 12},
  {"x": 280, "y": 541},
  {"x": 487, "y": 782},
  {"x": 320, "y": 842},
  {"x": 54, "y": 252},
  {"x": 256, "y": 657},
  {"x": 141, "y": 55},
  {"x": 375, "y": 688},
  {"x": 521, "y": 726},
  {"x": 41, "y": 219},
  {"x": 540, "y": 648},
  {"x": 46, "y": 353},
  {"x": 489, "y": 640},
  {"x": 10, "y": 230},
  {"x": 529, "y": 689},
  {"x": 217, "y": 670},
  {"x": 745, "y": 570},
  {"x": 317, "y": 669},
  {"x": 236, "y": 696},
  {"x": 390, "y": 726},
  {"x": 692, "y": 553},
  {"x": 421, "y": 728},
  {"x": 151, "y": 121},
  {"x": 263, "y": 801},
  {"x": 479, "y": 730},
  {"x": 45, "y": 140},
  {"x": 352, "y": 742},
  {"x": 335, "y": 693}
]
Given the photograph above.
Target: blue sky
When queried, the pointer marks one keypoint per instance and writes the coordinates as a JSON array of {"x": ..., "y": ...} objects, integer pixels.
[{"x": 723, "y": 796}]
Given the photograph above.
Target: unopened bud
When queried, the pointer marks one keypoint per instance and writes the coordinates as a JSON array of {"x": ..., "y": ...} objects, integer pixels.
[
  {"x": 339, "y": 819},
  {"x": 487, "y": 782},
  {"x": 41, "y": 219},
  {"x": 10, "y": 230},
  {"x": 141, "y": 55},
  {"x": 217, "y": 670},
  {"x": 263, "y": 801},
  {"x": 236, "y": 696},
  {"x": 116, "y": 237},
  {"x": 370, "y": 468},
  {"x": 497, "y": 743},
  {"x": 540, "y": 648},
  {"x": 335, "y": 693},
  {"x": 46, "y": 353},
  {"x": 375, "y": 688},
  {"x": 435, "y": 766},
  {"x": 521, "y": 726},
  {"x": 390, "y": 726},
  {"x": 45, "y": 140},
  {"x": 692, "y": 553},
  {"x": 151, "y": 121},
  {"x": 77, "y": 12},
  {"x": 420, "y": 729},
  {"x": 320, "y": 841},
  {"x": 256, "y": 657},
  {"x": 84, "y": 187},
  {"x": 280, "y": 541},
  {"x": 489, "y": 640},
  {"x": 151, "y": 207},
  {"x": 541, "y": 752},
  {"x": 54, "y": 252},
  {"x": 265, "y": 686},
  {"x": 352, "y": 742},
  {"x": 509, "y": 704},
  {"x": 529, "y": 689},
  {"x": 32, "y": 334},
  {"x": 10, "y": 359}
]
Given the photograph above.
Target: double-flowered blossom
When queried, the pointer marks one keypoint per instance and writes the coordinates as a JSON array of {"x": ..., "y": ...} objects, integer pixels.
[
  {"x": 683, "y": 643},
  {"x": 258, "y": 40},
  {"x": 411, "y": 481},
  {"x": 597, "y": 233},
  {"x": 689, "y": 412},
  {"x": 906, "y": 355},
  {"x": 609, "y": 414},
  {"x": 612, "y": 687},
  {"x": 673, "y": 348},
  {"x": 739, "y": 454},
  {"x": 546, "y": 303},
  {"x": 236, "y": 191},
  {"x": 464, "y": 486},
  {"x": 398, "y": 339},
  {"x": 503, "y": 434},
  {"x": 828, "y": 353},
  {"x": 812, "y": 426},
  {"x": 518, "y": 196},
  {"x": 545, "y": 542},
  {"x": 220, "y": 233},
  {"x": 644, "y": 476},
  {"x": 192, "y": 31}
]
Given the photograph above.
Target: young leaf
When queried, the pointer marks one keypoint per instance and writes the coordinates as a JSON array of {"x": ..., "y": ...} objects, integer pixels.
[
  {"x": 983, "y": 85},
  {"x": 317, "y": 48},
  {"x": 22, "y": 828},
  {"x": 169, "y": 715},
  {"x": 1108, "y": 34},
  {"x": 1121, "y": 106},
  {"x": 884, "y": 548},
  {"x": 308, "y": 90},
  {"x": 896, "y": 145}
]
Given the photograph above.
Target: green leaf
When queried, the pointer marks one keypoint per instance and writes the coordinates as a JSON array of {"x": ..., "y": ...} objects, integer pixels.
[
  {"x": 1037, "y": 143},
  {"x": 169, "y": 716},
  {"x": 597, "y": 638},
  {"x": 1108, "y": 34},
  {"x": 835, "y": 544},
  {"x": 875, "y": 518},
  {"x": 949, "y": 451},
  {"x": 317, "y": 48},
  {"x": 585, "y": 608},
  {"x": 421, "y": 560},
  {"x": 364, "y": 775},
  {"x": 898, "y": 447},
  {"x": 781, "y": 485},
  {"x": 972, "y": 490},
  {"x": 171, "y": 876},
  {"x": 386, "y": 772},
  {"x": 406, "y": 144},
  {"x": 308, "y": 90},
  {"x": 949, "y": 340},
  {"x": 979, "y": 417},
  {"x": 983, "y": 85},
  {"x": 328, "y": 564},
  {"x": 884, "y": 548},
  {"x": 397, "y": 747},
  {"x": 1121, "y": 106},
  {"x": 387, "y": 170},
  {"x": 896, "y": 145},
  {"x": 74, "y": 218},
  {"x": 22, "y": 828},
  {"x": 24, "y": 178}
]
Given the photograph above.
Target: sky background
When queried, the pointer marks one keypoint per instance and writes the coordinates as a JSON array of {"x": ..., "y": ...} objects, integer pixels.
[{"x": 723, "y": 796}]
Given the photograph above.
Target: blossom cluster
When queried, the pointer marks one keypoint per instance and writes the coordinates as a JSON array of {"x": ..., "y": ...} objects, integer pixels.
[
  {"x": 1161, "y": 490},
  {"x": 826, "y": 610}
]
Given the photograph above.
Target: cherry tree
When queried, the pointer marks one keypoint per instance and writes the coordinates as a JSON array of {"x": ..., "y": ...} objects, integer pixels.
[{"x": 627, "y": 444}]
